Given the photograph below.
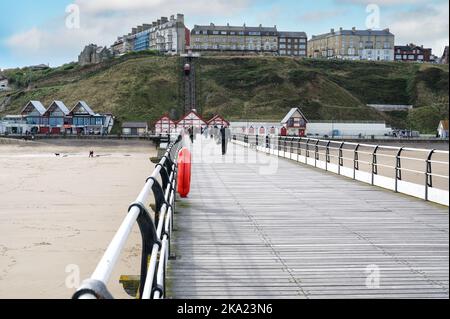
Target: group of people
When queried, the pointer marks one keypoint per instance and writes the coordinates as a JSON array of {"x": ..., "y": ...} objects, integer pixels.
[{"x": 221, "y": 135}]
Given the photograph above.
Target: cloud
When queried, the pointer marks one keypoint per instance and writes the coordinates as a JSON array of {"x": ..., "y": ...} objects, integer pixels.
[
  {"x": 29, "y": 40},
  {"x": 427, "y": 25},
  {"x": 321, "y": 15},
  {"x": 102, "y": 21},
  {"x": 97, "y": 7},
  {"x": 382, "y": 2}
]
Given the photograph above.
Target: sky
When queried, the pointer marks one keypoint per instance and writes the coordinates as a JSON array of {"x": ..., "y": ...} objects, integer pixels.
[{"x": 55, "y": 31}]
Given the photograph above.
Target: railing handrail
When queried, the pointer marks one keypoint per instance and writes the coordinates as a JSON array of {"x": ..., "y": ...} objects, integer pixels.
[
  {"x": 317, "y": 148},
  {"x": 155, "y": 234}
]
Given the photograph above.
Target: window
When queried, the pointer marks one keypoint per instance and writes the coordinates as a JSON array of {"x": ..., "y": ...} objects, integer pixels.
[{"x": 216, "y": 32}]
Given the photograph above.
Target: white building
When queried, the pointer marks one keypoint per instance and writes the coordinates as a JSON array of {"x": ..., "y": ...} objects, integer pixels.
[
  {"x": 443, "y": 129},
  {"x": 347, "y": 129},
  {"x": 4, "y": 84},
  {"x": 165, "y": 35}
]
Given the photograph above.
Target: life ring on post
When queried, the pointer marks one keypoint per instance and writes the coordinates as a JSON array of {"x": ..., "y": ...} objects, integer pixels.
[{"x": 184, "y": 172}]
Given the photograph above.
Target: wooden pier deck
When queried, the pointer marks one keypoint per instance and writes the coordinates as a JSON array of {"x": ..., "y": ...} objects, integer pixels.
[{"x": 302, "y": 233}]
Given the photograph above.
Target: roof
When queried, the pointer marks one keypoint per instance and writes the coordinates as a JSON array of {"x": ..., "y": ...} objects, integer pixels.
[
  {"x": 213, "y": 27},
  {"x": 444, "y": 124},
  {"x": 191, "y": 112},
  {"x": 166, "y": 116},
  {"x": 369, "y": 32},
  {"x": 61, "y": 106},
  {"x": 37, "y": 105},
  {"x": 288, "y": 34},
  {"x": 410, "y": 47},
  {"x": 218, "y": 117},
  {"x": 135, "y": 124},
  {"x": 291, "y": 113},
  {"x": 84, "y": 105}
]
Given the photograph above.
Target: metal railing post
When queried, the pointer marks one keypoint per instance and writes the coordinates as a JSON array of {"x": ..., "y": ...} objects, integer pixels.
[
  {"x": 340, "y": 158},
  {"x": 316, "y": 153},
  {"x": 307, "y": 149},
  {"x": 398, "y": 168},
  {"x": 327, "y": 156},
  {"x": 428, "y": 174},
  {"x": 355, "y": 161},
  {"x": 374, "y": 164}
]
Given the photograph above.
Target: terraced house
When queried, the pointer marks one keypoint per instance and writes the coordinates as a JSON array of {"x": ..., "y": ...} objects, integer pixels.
[
  {"x": 373, "y": 45},
  {"x": 166, "y": 35},
  {"x": 234, "y": 38}
]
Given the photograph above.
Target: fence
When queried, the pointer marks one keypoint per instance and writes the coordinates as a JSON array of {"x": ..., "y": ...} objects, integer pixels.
[
  {"x": 417, "y": 172},
  {"x": 156, "y": 234}
]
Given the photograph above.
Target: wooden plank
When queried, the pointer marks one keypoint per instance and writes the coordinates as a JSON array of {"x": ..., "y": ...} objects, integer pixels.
[{"x": 301, "y": 233}]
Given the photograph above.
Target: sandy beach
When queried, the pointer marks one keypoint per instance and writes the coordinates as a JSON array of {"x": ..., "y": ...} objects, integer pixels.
[{"x": 59, "y": 213}]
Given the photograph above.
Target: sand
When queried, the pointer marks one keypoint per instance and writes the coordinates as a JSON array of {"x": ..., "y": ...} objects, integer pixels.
[{"x": 56, "y": 212}]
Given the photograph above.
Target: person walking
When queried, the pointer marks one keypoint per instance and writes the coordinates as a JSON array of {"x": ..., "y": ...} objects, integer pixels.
[
  {"x": 191, "y": 134},
  {"x": 224, "y": 139}
]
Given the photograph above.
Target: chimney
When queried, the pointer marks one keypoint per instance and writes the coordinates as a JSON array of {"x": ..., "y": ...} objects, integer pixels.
[
  {"x": 354, "y": 29},
  {"x": 164, "y": 20},
  {"x": 154, "y": 24},
  {"x": 212, "y": 25},
  {"x": 180, "y": 17},
  {"x": 260, "y": 25},
  {"x": 332, "y": 31},
  {"x": 341, "y": 29},
  {"x": 140, "y": 29},
  {"x": 147, "y": 26},
  {"x": 387, "y": 30},
  {"x": 133, "y": 31},
  {"x": 158, "y": 21},
  {"x": 172, "y": 17}
]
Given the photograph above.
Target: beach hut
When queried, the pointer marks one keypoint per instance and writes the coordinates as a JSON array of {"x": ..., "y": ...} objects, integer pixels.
[
  {"x": 192, "y": 119},
  {"x": 295, "y": 122},
  {"x": 218, "y": 121},
  {"x": 165, "y": 125}
]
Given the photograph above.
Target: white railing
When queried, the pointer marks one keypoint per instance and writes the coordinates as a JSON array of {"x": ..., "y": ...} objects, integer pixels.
[
  {"x": 422, "y": 173},
  {"x": 155, "y": 231}
]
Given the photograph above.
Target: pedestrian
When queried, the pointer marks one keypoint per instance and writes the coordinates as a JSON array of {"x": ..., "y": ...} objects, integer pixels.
[
  {"x": 224, "y": 138},
  {"x": 191, "y": 134},
  {"x": 91, "y": 154}
]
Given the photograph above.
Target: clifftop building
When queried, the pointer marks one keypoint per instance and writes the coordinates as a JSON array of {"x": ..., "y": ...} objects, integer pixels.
[
  {"x": 373, "y": 45},
  {"x": 233, "y": 38},
  {"x": 244, "y": 39},
  {"x": 412, "y": 53},
  {"x": 166, "y": 35},
  {"x": 93, "y": 54}
]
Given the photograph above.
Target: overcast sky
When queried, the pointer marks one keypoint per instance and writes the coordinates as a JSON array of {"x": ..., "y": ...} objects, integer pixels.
[{"x": 34, "y": 32}]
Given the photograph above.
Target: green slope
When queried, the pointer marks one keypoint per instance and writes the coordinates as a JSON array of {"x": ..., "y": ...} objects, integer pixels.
[{"x": 144, "y": 86}]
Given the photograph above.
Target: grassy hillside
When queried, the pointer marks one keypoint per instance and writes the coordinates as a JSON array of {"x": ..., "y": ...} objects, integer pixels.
[{"x": 144, "y": 86}]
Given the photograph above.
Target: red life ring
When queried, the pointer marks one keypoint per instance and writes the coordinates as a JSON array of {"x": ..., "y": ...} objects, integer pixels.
[{"x": 184, "y": 172}]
